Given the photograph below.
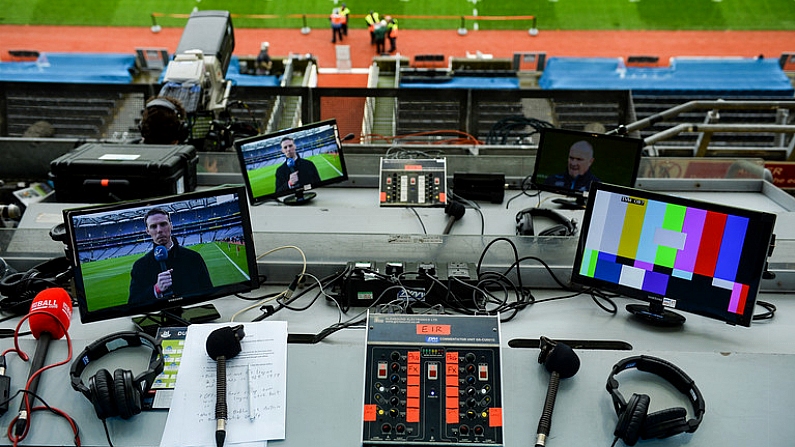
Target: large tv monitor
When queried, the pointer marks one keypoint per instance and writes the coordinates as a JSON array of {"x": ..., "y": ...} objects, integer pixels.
[
  {"x": 292, "y": 162},
  {"x": 674, "y": 253},
  {"x": 202, "y": 239},
  {"x": 568, "y": 161}
]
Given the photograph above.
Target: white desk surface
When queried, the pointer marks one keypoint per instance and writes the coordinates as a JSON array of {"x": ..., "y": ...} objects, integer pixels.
[{"x": 743, "y": 373}]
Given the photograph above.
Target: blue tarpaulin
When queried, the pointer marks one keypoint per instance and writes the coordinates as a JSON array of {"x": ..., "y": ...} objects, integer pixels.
[
  {"x": 79, "y": 68},
  {"x": 684, "y": 76},
  {"x": 467, "y": 82}
]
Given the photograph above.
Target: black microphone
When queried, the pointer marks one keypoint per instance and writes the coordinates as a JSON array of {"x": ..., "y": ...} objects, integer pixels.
[
  {"x": 161, "y": 255},
  {"x": 456, "y": 211},
  {"x": 222, "y": 345},
  {"x": 561, "y": 361}
]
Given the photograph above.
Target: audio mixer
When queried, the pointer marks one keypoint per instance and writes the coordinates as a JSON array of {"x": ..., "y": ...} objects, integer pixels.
[
  {"x": 413, "y": 182},
  {"x": 432, "y": 380}
]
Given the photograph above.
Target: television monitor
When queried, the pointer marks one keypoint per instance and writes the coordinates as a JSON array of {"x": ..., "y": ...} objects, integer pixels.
[
  {"x": 568, "y": 161},
  {"x": 674, "y": 253},
  {"x": 292, "y": 162},
  {"x": 202, "y": 239}
]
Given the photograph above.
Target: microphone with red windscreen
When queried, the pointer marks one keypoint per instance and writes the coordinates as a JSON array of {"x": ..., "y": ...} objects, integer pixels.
[{"x": 49, "y": 319}]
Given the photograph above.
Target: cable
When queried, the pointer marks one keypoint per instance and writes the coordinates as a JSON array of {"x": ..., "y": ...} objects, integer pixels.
[
  {"x": 768, "y": 314},
  {"x": 12, "y": 437},
  {"x": 422, "y": 224},
  {"x": 286, "y": 292},
  {"x": 513, "y": 127}
]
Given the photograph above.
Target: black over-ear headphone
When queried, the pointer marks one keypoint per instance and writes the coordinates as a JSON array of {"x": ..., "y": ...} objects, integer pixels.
[
  {"x": 120, "y": 394},
  {"x": 634, "y": 421},
  {"x": 563, "y": 227},
  {"x": 17, "y": 289},
  {"x": 183, "y": 131}
]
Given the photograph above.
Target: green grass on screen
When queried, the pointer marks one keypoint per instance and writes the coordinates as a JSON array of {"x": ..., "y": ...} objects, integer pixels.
[
  {"x": 561, "y": 14},
  {"x": 107, "y": 282},
  {"x": 263, "y": 180}
]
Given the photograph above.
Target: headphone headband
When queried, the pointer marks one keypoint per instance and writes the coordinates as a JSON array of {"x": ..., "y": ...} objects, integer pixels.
[
  {"x": 162, "y": 102},
  {"x": 564, "y": 226},
  {"x": 110, "y": 343},
  {"x": 666, "y": 370}
]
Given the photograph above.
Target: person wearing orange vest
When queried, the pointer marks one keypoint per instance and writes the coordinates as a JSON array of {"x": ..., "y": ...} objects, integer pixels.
[
  {"x": 371, "y": 18},
  {"x": 345, "y": 11},
  {"x": 336, "y": 25},
  {"x": 391, "y": 32}
]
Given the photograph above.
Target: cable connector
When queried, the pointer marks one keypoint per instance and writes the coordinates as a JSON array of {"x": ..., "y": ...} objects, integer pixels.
[{"x": 292, "y": 287}]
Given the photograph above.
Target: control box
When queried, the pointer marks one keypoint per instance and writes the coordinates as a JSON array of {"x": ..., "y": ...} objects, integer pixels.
[
  {"x": 413, "y": 182},
  {"x": 432, "y": 380},
  {"x": 370, "y": 283}
]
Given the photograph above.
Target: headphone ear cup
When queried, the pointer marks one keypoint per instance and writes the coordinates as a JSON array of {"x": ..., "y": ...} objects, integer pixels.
[
  {"x": 128, "y": 399},
  {"x": 664, "y": 423},
  {"x": 184, "y": 131},
  {"x": 631, "y": 420},
  {"x": 524, "y": 224},
  {"x": 100, "y": 387}
]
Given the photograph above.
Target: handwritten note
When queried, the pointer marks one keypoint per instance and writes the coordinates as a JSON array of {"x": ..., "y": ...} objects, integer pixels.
[{"x": 256, "y": 389}]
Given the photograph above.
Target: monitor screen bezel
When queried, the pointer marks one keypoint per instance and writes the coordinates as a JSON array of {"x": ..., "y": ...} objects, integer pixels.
[
  {"x": 764, "y": 221},
  {"x": 549, "y": 153},
  {"x": 87, "y": 315},
  {"x": 278, "y": 135}
]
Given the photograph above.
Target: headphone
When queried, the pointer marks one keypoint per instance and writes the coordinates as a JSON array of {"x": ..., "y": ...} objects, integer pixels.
[
  {"x": 634, "y": 422},
  {"x": 182, "y": 131},
  {"x": 118, "y": 394},
  {"x": 564, "y": 226},
  {"x": 17, "y": 289}
]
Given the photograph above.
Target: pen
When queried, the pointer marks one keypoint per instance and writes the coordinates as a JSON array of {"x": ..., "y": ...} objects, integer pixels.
[{"x": 250, "y": 395}]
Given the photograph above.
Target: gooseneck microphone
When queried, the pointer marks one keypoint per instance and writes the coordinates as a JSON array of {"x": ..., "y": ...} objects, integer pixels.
[
  {"x": 48, "y": 306},
  {"x": 561, "y": 361},
  {"x": 456, "y": 211},
  {"x": 222, "y": 345}
]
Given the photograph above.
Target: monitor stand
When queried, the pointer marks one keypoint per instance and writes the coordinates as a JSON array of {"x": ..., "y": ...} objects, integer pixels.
[
  {"x": 577, "y": 203},
  {"x": 176, "y": 317},
  {"x": 299, "y": 198},
  {"x": 656, "y": 315}
]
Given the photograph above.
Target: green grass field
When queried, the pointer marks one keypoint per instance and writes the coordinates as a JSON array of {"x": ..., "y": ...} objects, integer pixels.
[
  {"x": 107, "y": 282},
  {"x": 262, "y": 180},
  {"x": 551, "y": 14}
]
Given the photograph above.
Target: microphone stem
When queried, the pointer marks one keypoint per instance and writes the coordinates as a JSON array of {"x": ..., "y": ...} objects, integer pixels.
[
  {"x": 545, "y": 423},
  {"x": 450, "y": 221},
  {"x": 42, "y": 346},
  {"x": 220, "y": 402}
]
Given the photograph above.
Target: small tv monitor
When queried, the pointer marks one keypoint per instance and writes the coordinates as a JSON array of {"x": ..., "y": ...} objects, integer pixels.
[
  {"x": 568, "y": 161},
  {"x": 675, "y": 253},
  {"x": 202, "y": 240},
  {"x": 292, "y": 162}
]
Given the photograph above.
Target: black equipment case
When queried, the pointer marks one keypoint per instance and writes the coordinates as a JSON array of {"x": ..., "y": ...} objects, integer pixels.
[{"x": 107, "y": 172}]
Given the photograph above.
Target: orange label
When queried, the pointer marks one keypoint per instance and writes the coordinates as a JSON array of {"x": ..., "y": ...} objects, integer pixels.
[
  {"x": 412, "y": 414},
  {"x": 433, "y": 329},
  {"x": 412, "y": 391},
  {"x": 413, "y": 356},
  {"x": 412, "y": 167},
  {"x": 451, "y": 416},
  {"x": 370, "y": 412},
  {"x": 382, "y": 196},
  {"x": 495, "y": 417}
]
